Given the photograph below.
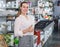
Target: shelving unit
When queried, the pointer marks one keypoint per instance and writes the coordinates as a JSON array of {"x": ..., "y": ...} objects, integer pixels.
[
  {"x": 45, "y": 8},
  {"x": 47, "y": 33},
  {"x": 9, "y": 20},
  {"x": 13, "y": 4},
  {"x": 44, "y": 31}
]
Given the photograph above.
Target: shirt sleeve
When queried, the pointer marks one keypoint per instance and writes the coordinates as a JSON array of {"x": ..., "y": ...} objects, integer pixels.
[{"x": 17, "y": 30}]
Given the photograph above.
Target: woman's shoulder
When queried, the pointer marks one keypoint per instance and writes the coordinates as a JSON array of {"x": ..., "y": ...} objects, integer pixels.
[
  {"x": 18, "y": 18},
  {"x": 31, "y": 16}
]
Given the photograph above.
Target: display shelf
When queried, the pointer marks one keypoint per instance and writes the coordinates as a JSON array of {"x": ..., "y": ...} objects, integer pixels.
[
  {"x": 42, "y": 37},
  {"x": 13, "y": 4},
  {"x": 35, "y": 45},
  {"x": 9, "y": 38},
  {"x": 12, "y": 9},
  {"x": 45, "y": 7},
  {"x": 48, "y": 32},
  {"x": 9, "y": 20},
  {"x": 35, "y": 40},
  {"x": 10, "y": 31},
  {"x": 45, "y": 30},
  {"x": 10, "y": 46}
]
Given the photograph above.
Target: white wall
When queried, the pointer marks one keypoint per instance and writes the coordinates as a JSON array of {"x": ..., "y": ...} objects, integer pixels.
[
  {"x": 57, "y": 10},
  {"x": 54, "y": 0}
]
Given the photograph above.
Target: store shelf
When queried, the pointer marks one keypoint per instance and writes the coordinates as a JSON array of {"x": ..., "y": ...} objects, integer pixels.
[
  {"x": 42, "y": 37},
  {"x": 2, "y": 16},
  {"x": 35, "y": 45},
  {"x": 10, "y": 20},
  {"x": 42, "y": 24},
  {"x": 45, "y": 8},
  {"x": 10, "y": 46},
  {"x": 46, "y": 27},
  {"x": 48, "y": 31},
  {"x": 10, "y": 32}
]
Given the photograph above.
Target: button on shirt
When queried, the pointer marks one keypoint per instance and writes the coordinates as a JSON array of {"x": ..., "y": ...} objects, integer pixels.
[{"x": 21, "y": 23}]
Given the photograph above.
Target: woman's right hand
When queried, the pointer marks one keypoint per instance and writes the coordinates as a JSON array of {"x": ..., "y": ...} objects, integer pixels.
[{"x": 29, "y": 29}]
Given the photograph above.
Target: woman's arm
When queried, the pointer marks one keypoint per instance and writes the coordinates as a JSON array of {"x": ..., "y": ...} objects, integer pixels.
[
  {"x": 29, "y": 29},
  {"x": 17, "y": 28},
  {"x": 25, "y": 31}
]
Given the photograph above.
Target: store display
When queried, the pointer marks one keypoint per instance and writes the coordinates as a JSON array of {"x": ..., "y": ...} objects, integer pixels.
[
  {"x": 45, "y": 8},
  {"x": 3, "y": 28},
  {"x": 2, "y": 42},
  {"x": 9, "y": 28},
  {"x": 16, "y": 40},
  {"x": 9, "y": 38},
  {"x": 46, "y": 28},
  {"x": 35, "y": 40},
  {"x": 2, "y": 4},
  {"x": 40, "y": 9}
]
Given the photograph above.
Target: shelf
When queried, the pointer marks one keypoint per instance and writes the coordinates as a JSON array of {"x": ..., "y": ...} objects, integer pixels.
[
  {"x": 2, "y": 16},
  {"x": 43, "y": 5},
  {"x": 7, "y": 16},
  {"x": 35, "y": 44},
  {"x": 42, "y": 37},
  {"x": 10, "y": 46},
  {"x": 12, "y": 8},
  {"x": 10, "y": 32},
  {"x": 10, "y": 19}
]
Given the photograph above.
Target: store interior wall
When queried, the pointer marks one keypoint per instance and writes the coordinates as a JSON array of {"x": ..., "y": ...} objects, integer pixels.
[{"x": 56, "y": 8}]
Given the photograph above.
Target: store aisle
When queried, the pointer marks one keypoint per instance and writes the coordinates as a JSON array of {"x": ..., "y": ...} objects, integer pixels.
[{"x": 54, "y": 40}]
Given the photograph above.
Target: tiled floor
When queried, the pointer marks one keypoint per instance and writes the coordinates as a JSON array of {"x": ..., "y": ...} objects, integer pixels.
[{"x": 54, "y": 40}]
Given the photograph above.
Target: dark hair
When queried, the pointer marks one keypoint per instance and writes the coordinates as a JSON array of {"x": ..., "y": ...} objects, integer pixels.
[{"x": 19, "y": 12}]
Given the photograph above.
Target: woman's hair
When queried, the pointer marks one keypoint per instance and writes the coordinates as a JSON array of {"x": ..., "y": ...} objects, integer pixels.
[{"x": 19, "y": 12}]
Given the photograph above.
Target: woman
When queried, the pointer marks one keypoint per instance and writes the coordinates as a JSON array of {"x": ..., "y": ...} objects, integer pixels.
[{"x": 24, "y": 26}]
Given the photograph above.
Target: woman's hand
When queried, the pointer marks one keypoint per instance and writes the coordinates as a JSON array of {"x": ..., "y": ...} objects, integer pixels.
[{"x": 31, "y": 28}]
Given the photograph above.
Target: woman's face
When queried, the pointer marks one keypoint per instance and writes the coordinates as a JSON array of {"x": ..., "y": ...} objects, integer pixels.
[{"x": 24, "y": 8}]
